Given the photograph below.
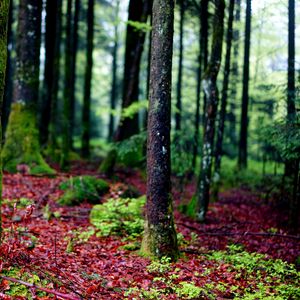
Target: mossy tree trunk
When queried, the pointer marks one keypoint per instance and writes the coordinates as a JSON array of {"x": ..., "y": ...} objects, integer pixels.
[
  {"x": 22, "y": 138},
  {"x": 243, "y": 153},
  {"x": 4, "y": 9},
  {"x": 209, "y": 83},
  {"x": 222, "y": 114},
  {"x": 135, "y": 38},
  {"x": 85, "y": 141},
  {"x": 160, "y": 236},
  {"x": 53, "y": 8}
]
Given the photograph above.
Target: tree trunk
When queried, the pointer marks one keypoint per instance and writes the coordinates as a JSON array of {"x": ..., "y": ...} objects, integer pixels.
[
  {"x": 242, "y": 162},
  {"x": 66, "y": 124},
  {"x": 209, "y": 83},
  {"x": 180, "y": 63},
  {"x": 87, "y": 82},
  {"x": 52, "y": 136},
  {"x": 50, "y": 41},
  {"x": 160, "y": 236},
  {"x": 22, "y": 137},
  {"x": 7, "y": 98},
  {"x": 234, "y": 76},
  {"x": 113, "y": 93},
  {"x": 138, "y": 12},
  {"x": 4, "y": 11},
  {"x": 73, "y": 70},
  {"x": 222, "y": 114}
]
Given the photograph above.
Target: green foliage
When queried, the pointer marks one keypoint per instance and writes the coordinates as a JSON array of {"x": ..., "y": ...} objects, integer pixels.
[
  {"x": 188, "y": 290},
  {"x": 135, "y": 107},
  {"x": 119, "y": 217},
  {"x": 160, "y": 267},
  {"x": 21, "y": 147},
  {"x": 190, "y": 208},
  {"x": 139, "y": 26},
  {"x": 78, "y": 189}
]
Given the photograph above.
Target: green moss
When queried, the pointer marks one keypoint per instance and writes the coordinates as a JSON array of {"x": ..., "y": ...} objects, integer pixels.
[
  {"x": 108, "y": 164},
  {"x": 78, "y": 189},
  {"x": 21, "y": 145}
]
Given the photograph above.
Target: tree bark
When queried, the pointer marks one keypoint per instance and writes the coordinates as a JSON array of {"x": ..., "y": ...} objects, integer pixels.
[
  {"x": 180, "y": 64},
  {"x": 138, "y": 12},
  {"x": 114, "y": 69},
  {"x": 222, "y": 114},
  {"x": 87, "y": 82},
  {"x": 160, "y": 237},
  {"x": 209, "y": 83},
  {"x": 50, "y": 42},
  {"x": 242, "y": 161}
]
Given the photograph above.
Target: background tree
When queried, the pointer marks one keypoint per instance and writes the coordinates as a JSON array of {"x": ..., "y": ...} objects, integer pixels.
[
  {"x": 87, "y": 82},
  {"x": 242, "y": 162},
  {"x": 209, "y": 83},
  {"x": 159, "y": 236},
  {"x": 22, "y": 144}
]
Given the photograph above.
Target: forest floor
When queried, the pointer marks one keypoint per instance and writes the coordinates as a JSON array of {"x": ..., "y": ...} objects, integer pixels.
[{"x": 233, "y": 255}]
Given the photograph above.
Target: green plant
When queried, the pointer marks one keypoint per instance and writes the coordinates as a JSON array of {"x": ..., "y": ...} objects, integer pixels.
[
  {"x": 160, "y": 267},
  {"x": 119, "y": 216},
  {"x": 78, "y": 189}
]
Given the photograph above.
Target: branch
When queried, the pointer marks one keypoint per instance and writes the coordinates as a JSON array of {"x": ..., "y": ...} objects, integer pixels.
[{"x": 58, "y": 294}]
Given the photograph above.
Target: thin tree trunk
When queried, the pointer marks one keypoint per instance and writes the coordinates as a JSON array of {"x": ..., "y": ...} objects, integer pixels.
[
  {"x": 50, "y": 40},
  {"x": 222, "y": 114},
  {"x": 180, "y": 64},
  {"x": 160, "y": 237},
  {"x": 209, "y": 83},
  {"x": 242, "y": 162},
  {"x": 4, "y": 9},
  {"x": 73, "y": 70},
  {"x": 113, "y": 93},
  {"x": 66, "y": 138},
  {"x": 7, "y": 98},
  {"x": 87, "y": 82},
  {"x": 235, "y": 76},
  {"x": 138, "y": 11}
]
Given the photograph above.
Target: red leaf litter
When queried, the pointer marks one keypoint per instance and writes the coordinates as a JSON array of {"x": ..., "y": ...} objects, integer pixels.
[{"x": 100, "y": 268}]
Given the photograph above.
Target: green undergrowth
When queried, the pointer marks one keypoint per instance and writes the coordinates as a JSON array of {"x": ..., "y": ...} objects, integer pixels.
[
  {"x": 78, "y": 189},
  {"x": 21, "y": 146},
  {"x": 17, "y": 290},
  {"x": 230, "y": 274},
  {"x": 119, "y": 217}
]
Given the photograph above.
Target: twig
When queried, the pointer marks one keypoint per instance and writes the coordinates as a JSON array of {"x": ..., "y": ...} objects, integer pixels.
[{"x": 58, "y": 294}]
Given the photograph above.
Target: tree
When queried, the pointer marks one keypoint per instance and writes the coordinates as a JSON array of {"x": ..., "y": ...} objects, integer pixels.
[
  {"x": 137, "y": 13},
  {"x": 242, "y": 161},
  {"x": 22, "y": 143},
  {"x": 53, "y": 8},
  {"x": 160, "y": 237},
  {"x": 4, "y": 9},
  {"x": 180, "y": 65},
  {"x": 209, "y": 84},
  {"x": 87, "y": 82},
  {"x": 222, "y": 114}
]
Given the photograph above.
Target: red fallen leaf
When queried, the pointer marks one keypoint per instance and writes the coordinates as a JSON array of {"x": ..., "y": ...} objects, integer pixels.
[{"x": 92, "y": 289}]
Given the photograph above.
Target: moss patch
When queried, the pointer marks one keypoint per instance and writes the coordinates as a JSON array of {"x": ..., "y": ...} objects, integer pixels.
[
  {"x": 78, "y": 189},
  {"x": 21, "y": 145}
]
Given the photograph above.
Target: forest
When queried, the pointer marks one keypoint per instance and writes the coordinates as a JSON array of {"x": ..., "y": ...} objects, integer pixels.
[{"x": 150, "y": 149}]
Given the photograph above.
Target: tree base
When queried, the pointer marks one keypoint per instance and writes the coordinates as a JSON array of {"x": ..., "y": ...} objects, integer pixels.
[{"x": 21, "y": 151}]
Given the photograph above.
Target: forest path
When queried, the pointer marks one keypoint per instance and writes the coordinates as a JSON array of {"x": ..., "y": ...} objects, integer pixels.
[{"x": 100, "y": 268}]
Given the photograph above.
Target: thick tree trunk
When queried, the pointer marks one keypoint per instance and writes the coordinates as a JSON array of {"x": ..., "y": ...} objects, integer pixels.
[
  {"x": 87, "y": 82},
  {"x": 7, "y": 98},
  {"x": 242, "y": 162},
  {"x": 50, "y": 41},
  {"x": 180, "y": 64},
  {"x": 22, "y": 145},
  {"x": 138, "y": 12},
  {"x": 73, "y": 70},
  {"x": 160, "y": 236},
  {"x": 234, "y": 76},
  {"x": 222, "y": 114},
  {"x": 209, "y": 83},
  {"x": 66, "y": 124},
  {"x": 52, "y": 136},
  {"x": 4, "y": 11},
  {"x": 114, "y": 69}
]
